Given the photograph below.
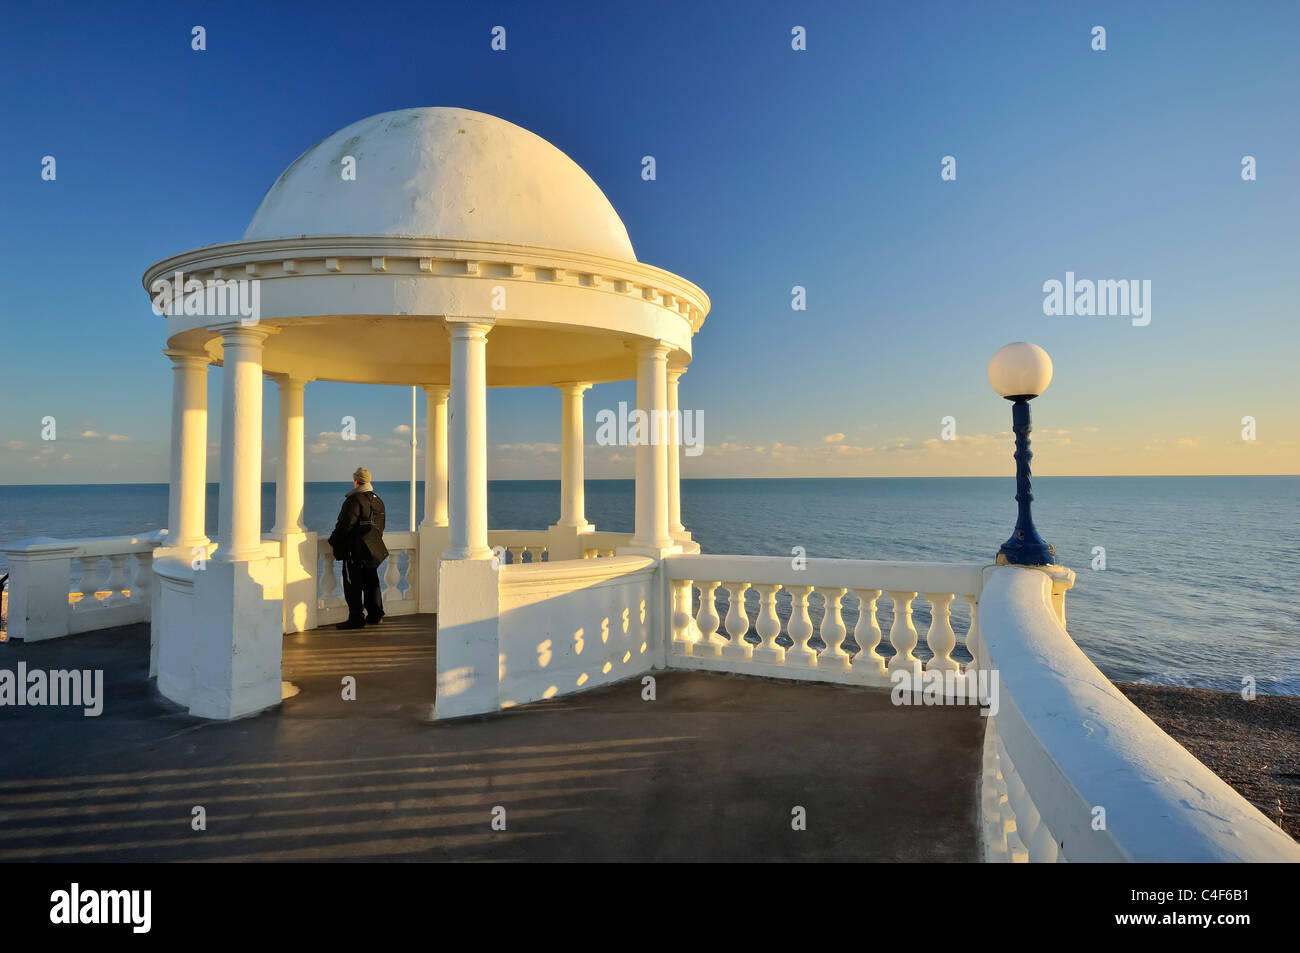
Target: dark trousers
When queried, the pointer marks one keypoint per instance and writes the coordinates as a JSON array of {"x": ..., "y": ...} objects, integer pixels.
[{"x": 361, "y": 588}]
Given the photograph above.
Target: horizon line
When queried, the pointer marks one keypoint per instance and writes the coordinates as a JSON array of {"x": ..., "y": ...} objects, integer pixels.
[{"x": 1057, "y": 476}]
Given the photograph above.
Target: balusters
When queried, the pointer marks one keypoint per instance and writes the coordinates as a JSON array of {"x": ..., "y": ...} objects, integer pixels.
[
  {"x": 681, "y": 621},
  {"x": 412, "y": 572},
  {"x": 89, "y": 584},
  {"x": 142, "y": 579},
  {"x": 116, "y": 584},
  {"x": 392, "y": 576},
  {"x": 768, "y": 626},
  {"x": 867, "y": 634},
  {"x": 708, "y": 621},
  {"x": 516, "y": 554},
  {"x": 737, "y": 622},
  {"x": 940, "y": 638},
  {"x": 800, "y": 628},
  {"x": 974, "y": 645},
  {"x": 833, "y": 657},
  {"x": 1024, "y": 816},
  {"x": 902, "y": 634},
  {"x": 327, "y": 582}
]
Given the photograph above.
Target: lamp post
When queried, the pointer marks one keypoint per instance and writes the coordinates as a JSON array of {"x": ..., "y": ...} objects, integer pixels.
[{"x": 1020, "y": 372}]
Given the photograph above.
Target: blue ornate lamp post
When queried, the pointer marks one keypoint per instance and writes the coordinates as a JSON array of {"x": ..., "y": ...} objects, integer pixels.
[{"x": 1020, "y": 372}]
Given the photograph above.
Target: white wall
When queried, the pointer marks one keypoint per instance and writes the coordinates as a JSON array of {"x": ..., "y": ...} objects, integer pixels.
[{"x": 574, "y": 625}]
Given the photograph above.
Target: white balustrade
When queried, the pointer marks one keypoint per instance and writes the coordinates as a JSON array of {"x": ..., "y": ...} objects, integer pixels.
[
  {"x": 64, "y": 587},
  {"x": 834, "y": 658},
  {"x": 398, "y": 581},
  {"x": 1072, "y": 769}
]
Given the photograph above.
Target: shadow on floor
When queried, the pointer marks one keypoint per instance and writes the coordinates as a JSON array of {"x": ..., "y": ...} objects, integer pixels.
[{"x": 710, "y": 770}]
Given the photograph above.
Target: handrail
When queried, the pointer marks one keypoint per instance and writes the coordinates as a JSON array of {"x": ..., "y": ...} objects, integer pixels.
[{"x": 1074, "y": 770}]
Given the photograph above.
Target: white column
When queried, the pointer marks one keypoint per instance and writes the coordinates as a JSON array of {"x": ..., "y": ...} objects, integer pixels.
[
  {"x": 675, "y": 527},
  {"x": 289, "y": 472},
  {"x": 435, "y": 455},
  {"x": 652, "y": 452},
  {"x": 239, "y": 514},
  {"x": 467, "y": 440},
  {"x": 186, "y": 513},
  {"x": 573, "y": 494}
]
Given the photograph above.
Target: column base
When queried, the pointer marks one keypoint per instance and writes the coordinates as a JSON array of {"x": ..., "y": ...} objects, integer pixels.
[
  {"x": 468, "y": 552},
  {"x": 468, "y": 639},
  {"x": 655, "y": 550},
  {"x": 564, "y": 540},
  {"x": 237, "y": 637}
]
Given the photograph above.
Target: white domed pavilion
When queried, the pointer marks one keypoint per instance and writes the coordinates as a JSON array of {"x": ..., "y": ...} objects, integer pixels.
[{"x": 432, "y": 247}]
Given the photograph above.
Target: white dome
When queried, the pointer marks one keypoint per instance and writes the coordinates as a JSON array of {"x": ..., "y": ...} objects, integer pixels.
[{"x": 442, "y": 172}]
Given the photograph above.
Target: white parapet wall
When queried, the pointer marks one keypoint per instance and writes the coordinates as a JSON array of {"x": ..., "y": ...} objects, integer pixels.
[
  {"x": 512, "y": 634},
  {"x": 61, "y": 587},
  {"x": 1075, "y": 771}
]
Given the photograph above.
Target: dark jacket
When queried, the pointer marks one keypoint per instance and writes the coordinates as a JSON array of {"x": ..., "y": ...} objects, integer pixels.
[{"x": 359, "y": 533}]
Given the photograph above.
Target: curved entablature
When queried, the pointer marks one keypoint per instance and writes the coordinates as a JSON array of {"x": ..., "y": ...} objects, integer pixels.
[{"x": 559, "y": 315}]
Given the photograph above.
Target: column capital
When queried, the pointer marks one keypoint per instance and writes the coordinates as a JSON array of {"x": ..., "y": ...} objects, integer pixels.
[
  {"x": 651, "y": 347},
  {"x": 284, "y": 380},
  {"x": 675, "y": 374},
  {"x": 182, "y": 358},
  {"x": 468, "y": 328},
  {"x": 438, "y": 392},
  {"x": 248, "y": 335},
  {"x": 573, "y": 388}
]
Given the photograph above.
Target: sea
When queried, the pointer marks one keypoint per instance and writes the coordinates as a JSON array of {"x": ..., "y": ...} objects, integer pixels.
[{"x": 1181, "y": 580}]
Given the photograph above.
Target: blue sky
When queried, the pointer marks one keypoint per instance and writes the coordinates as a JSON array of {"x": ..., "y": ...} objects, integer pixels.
[{"x": 775, "y": 168}]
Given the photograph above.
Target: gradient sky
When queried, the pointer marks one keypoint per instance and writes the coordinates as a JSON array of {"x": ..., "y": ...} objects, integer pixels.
[{"x": 775, "y": 168}]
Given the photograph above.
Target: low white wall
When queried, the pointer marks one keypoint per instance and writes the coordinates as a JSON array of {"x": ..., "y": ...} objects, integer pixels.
[
  {"x": 510, "y": 634},
  {"x": 45, "y": 604},
  {"x": 1066, "y": 742},
  {"x": 573, "y": 625}
]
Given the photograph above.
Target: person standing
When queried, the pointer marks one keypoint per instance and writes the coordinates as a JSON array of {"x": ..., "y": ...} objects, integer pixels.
[{"x": 358, "y": 542}]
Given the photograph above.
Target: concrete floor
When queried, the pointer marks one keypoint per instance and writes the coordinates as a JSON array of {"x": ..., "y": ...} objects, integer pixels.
[{"x": 710, "y": 770}]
